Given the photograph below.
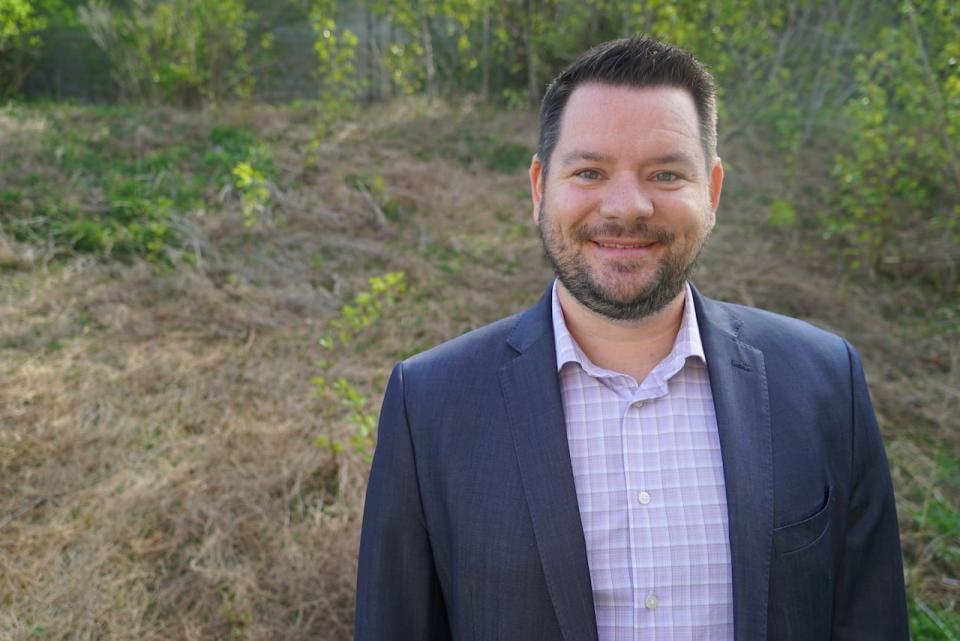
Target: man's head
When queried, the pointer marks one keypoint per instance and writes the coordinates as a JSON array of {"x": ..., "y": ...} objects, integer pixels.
[{"x": 633, "y": 184}]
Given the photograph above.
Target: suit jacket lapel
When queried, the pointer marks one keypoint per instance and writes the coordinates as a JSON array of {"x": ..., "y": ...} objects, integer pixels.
[
  {"x": 532, "y": 391},
  {"x": 739, "y": 385}
]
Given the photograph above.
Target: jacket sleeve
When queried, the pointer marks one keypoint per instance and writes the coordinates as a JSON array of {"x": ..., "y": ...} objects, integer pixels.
[
  {"x": 398, "y": 593},
  {"x": 870, "y": 600}
]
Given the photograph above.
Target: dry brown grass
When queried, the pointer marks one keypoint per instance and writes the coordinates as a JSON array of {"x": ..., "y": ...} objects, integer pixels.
[{"x": 157, "y": 474}]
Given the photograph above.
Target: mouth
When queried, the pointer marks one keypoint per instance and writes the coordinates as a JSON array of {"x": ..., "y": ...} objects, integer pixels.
[{"x": 620, "y": 244}]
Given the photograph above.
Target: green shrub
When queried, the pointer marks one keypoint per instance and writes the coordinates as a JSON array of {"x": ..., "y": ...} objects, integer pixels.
[
  {"x": 185, "y": 52},
  {"x": 21, "y": 24},
  {"x": 896, "y": 197},
  {"x": 336, "y": 51},
  {"x": 347, "y": 334}
]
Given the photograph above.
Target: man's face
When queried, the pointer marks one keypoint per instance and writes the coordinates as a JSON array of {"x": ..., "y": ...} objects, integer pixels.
[{"x": 628, "y": 201}]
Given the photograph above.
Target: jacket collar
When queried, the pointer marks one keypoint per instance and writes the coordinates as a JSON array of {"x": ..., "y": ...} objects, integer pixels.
[{"x": 537, "y": 321}]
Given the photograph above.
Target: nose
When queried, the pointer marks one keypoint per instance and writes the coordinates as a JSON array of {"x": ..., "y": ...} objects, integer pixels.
[{"x": 625, "y": 199}]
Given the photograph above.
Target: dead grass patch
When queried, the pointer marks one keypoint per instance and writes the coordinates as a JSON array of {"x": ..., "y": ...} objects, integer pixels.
[{"x": 157, "y": 474}]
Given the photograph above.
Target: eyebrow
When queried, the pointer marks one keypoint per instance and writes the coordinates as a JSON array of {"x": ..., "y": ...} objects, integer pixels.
[
  {"x": 576, "y": 155},
  {"x": 679, "y": 157}
]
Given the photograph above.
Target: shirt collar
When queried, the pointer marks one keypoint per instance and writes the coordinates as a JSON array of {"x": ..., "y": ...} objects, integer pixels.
[{"x": 686, "y": 344}]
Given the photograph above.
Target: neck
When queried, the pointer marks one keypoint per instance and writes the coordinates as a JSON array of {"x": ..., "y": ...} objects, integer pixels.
[{"x": 630, "y": 347}]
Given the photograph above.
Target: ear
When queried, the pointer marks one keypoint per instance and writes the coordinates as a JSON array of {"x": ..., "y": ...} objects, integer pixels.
[
  {"x": 716, "y": 185},
  {"x": 536, "y": 184}
]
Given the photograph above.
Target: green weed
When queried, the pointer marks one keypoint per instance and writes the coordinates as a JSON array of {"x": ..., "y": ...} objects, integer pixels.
[
  {"x": 254, "y": 192},
  {"x": 929, "y": 623},
  {"x": 938, "y": 521},
  {"x": 237, "y": 617},
  {"x": 97, "y": 195},
  {"x": 782, "y": 215},
  {"x": 346, "y": 329}
]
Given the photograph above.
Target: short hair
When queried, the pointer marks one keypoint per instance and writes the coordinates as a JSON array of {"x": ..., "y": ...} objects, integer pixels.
[{"x": 640, "y": 61}]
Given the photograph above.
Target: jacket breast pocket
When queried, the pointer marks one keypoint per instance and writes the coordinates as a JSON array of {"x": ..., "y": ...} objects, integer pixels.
[
  {"x": 796, "y": 537},
  {"x": 802, "y": 578}
]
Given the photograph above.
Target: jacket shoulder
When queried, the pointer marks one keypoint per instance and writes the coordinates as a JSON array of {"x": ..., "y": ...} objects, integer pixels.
[
  {"x": 762, "y": 322},
  {"x": 478, "y": 347},
  {"x": 790, "y": 339}
]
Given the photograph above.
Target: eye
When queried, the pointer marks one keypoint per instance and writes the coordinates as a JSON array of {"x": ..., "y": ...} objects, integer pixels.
[
  {"x": 588, "y": 174},
  {"x": 666, "y": 177}
]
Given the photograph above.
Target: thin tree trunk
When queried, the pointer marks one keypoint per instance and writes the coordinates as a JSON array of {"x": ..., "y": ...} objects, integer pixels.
[
  {"x": 371, "y": 32},
  {"x": 391, "y": 38},
  {"x": 533, "y": 92},
  {"x": 485, "y": 53},
  {"x": 429, "y": 66}
]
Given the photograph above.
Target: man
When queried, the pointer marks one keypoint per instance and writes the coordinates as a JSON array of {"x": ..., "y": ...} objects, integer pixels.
[{"x": 629, "y": 459}]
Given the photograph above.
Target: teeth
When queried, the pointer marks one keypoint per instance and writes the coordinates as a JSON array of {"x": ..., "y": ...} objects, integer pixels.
[{"x": 614, "y": 246}]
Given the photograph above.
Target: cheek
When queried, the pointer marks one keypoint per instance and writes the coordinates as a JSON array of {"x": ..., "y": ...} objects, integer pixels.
[
  {"x": 683, "y": 208},
  {"x": 568, "y": 207},
  {"x": 679, "y": 200}
]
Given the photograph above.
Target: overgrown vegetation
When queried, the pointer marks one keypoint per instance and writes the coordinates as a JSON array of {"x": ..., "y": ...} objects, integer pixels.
[
  {"x": 123, "y": 401},
  {"x": 123, "y": 187},
  {"x": 165, "y": 417},
  {"x": 880, "y": 81},
  {"x": 183, "y": 52},
  {"x": 161, "y": 411},
  {"x": 896, "y": 201}
]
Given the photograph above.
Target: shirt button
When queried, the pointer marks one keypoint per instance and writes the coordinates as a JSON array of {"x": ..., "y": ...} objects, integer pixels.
[
  {"x": 638, "y": 404},
  {"x": 644, "y": 498},
  {"x": 651, "y": 602}
]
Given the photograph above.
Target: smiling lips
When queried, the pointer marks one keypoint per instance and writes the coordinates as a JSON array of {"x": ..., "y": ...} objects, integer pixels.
[{"x": 620, "y": 244}]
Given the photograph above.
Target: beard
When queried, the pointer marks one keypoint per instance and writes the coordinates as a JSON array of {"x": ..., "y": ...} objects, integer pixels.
[{"x": 573, "y": 270}]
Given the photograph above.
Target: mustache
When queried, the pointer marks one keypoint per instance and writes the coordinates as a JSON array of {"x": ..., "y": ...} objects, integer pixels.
[{"x": 636, "y": 231}]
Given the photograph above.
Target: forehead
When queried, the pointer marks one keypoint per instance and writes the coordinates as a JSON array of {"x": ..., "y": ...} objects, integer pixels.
[{"x": 628, "y": 120}]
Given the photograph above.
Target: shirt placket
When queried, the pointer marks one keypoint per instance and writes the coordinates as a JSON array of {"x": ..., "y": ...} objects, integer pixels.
[{"x": 640, "y": 510}]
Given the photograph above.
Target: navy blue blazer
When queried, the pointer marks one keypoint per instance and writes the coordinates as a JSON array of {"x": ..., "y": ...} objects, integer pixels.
[{"x": 471, "y": 529}]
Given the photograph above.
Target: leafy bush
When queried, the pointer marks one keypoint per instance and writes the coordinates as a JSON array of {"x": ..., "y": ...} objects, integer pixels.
[
  {"x": 254, "y": 192},
  {"x": 186, "y": 52},
  {"x": 897, "y": 192},
  {"x": 20, "y": 26},
  {"x": 336, "y": 52}
]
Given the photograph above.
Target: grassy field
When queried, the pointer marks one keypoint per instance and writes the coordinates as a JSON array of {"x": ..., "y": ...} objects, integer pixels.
[{"x": 192, "y": 350}]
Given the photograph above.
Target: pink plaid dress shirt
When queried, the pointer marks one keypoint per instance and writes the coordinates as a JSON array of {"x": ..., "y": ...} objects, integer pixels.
[{"x": 649, "y": 480}]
